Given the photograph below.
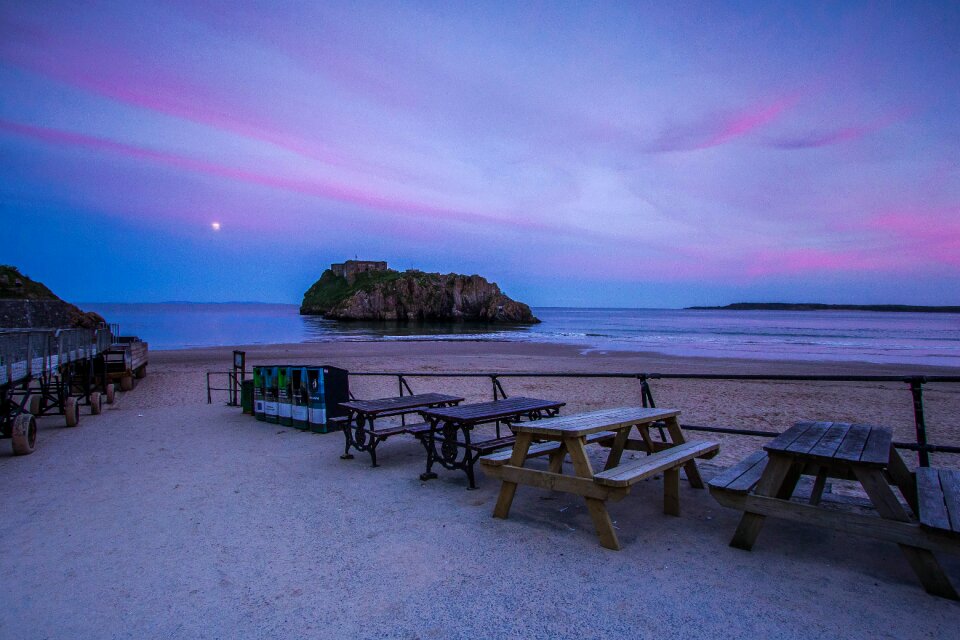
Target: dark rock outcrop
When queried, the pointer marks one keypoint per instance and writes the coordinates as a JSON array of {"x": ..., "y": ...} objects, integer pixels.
[
  {"x": 413, "y": 296},
  {"x": 27, "y": 303}
]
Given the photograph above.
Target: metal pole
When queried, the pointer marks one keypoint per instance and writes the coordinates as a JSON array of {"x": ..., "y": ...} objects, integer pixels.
[
  {"x": 916, "y": 388},
  {"x": 209, "y": 399}
]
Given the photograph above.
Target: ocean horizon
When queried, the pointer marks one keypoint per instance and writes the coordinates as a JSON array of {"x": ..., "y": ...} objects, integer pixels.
[{"x": 836, "y": 336}]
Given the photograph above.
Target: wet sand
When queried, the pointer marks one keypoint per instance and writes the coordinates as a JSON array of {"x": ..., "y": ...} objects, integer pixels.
[{"x": 169, "y": 517}]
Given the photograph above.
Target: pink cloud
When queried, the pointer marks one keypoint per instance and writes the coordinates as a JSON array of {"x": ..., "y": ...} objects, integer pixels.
[
  {"x": 717, "y": 129},
  {"x": 314, "y": 188},
  {"x": 827, "y": 137}
]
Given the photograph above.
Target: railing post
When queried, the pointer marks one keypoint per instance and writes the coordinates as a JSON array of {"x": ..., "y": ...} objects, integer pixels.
[
  {"x": 493, "y": 381},
  {"x": 209, "y": 399},
  {"x": 916, "y": 388},
  {"x": 646, "y": 396},
  {"x": 400, "y": 384}
]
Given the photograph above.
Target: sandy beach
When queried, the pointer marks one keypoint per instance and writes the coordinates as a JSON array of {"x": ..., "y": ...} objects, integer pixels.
[{"x": 169, "y": 517}]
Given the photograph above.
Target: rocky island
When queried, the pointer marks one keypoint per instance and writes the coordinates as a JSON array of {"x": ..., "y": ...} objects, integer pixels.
[{"x": 368, "y": 290}]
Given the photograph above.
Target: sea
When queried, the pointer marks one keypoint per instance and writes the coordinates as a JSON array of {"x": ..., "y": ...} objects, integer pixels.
[{"x": 907, "y": 338}]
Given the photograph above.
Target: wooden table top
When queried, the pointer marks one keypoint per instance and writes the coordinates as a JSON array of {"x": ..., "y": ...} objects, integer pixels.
[
  {"x": 835, "y": 442},
  {"x": 490, "y": 411},
  {"x": 582, "y": 424},
  {"x": 399, "y": 403}
]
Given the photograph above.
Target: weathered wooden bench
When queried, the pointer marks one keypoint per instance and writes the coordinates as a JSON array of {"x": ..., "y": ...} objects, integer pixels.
[
  {"x": 666, "y": 461},
  {"x": 742, "y": 477},
  {"x": 938, "y": 498},
  {"x": 763, "y": 485}
]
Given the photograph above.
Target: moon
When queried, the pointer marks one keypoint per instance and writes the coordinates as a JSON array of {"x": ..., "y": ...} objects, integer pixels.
[{"x": 215, "y": 226}]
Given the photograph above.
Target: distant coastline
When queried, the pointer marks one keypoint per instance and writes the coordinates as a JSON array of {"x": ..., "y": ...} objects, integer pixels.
[{"x": 810, "y": 306}]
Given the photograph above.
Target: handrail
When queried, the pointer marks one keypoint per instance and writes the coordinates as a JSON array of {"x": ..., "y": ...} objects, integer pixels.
[{"x": 916, "y": 382}]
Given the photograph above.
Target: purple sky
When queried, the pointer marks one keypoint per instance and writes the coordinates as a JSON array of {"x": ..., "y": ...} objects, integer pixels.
[{"x": 585, "y": 154}]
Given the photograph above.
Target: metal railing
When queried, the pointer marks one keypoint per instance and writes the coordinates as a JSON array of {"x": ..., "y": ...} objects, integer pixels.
[
  {"x": 234, "y": 384},
  {"x": 921, "y": 444}
]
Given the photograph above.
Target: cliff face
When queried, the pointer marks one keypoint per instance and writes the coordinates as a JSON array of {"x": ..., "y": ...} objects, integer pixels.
[
  {"x": 413, "y": 296},
  {"x": 26, "y": 303}
]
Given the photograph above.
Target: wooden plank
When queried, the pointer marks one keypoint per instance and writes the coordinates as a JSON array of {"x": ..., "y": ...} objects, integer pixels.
[
  {"x": 616, "y": 451},
  {"x": 596, "y": 507},
  {"x": 554, "y": 482},
  {"x": 503, "y": 457},
  {"x": 844, "y": 521},
  {"x": 810, "y": 438},
  {"x": 817, "y": 493},
  {"x": 749, "y": 479},
  {"x": 676, "y": 437},
  {"x": 876, "y": 452},
  {"x": 902, "y": 477},
  {"x": 932, "y": 508},
  {"x": 950, "y": 482},
  {"x": 831, "y": 440},
  {"x": 399, "y": 402},
  {"x": 509, "y": 489},
  {"x": 778, "y": 466},
  {"x": 732, "y": 474},
  {"x": 602, "y": 420},
  {"x": 490, "y": 411},
  {"x": 671, "y": 492},
  {"x": 852, "y": 446},
  {"x": 784, "y": 440},
  {"x": 632, "y": 472}
]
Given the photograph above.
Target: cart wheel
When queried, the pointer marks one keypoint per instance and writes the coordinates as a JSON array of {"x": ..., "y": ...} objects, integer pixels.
[
  {"x": 111, "y": 393},
  {"x": 96, "y": 403},
  {"x": 33, "y": 404},
  {"x": 141, "y": 372},
  {"x": 126, "y": 383},
  {"x": 72, "y": 412},
  {"x": 24, "y": 434}
]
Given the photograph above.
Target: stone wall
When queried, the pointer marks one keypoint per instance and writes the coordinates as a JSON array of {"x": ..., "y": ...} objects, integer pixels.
[{"x": 351, "y": 268}]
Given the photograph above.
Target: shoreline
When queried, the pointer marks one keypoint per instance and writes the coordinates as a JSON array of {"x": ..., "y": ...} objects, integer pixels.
[{"x": 649, "y": 362}]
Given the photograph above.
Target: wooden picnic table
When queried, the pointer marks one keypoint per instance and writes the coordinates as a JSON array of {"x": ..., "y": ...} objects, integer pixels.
[
  {"x": 763, "y": 484},
  {"x": 360, "y": 432},
  {"x": 568, "y": 435},
  {"x": 446, "y": 435}
]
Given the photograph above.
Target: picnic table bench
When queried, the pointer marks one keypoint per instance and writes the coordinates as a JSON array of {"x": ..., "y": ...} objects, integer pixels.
[
  {"x": 764, "y": 483},
  {"x": 360, "y": 432},
  {"x": 446, "y": 432},
  {"x": 568, "y": 435}
]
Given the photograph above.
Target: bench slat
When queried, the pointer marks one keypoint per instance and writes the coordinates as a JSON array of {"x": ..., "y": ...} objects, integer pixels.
[
  {"x": 632, "y": 472},
  {"x": 387, "y": 431},
  {"x": 418, "y": 428},
  {"x": 950, "y": 482},
  {"x": 741, "y": 477},
  {"x": 503, "y": 457},
  {"x": 933, "y": 509}
]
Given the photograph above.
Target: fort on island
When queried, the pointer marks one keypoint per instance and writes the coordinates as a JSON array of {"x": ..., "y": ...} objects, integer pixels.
[{"x": 351, "y": 268}]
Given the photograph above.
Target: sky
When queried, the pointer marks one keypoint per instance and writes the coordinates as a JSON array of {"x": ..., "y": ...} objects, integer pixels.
[{"x": 634, "y": 154}]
